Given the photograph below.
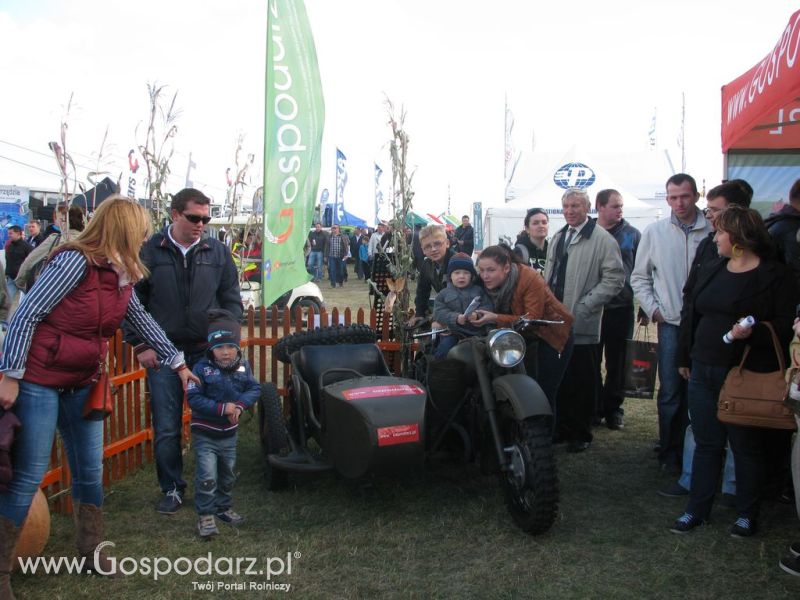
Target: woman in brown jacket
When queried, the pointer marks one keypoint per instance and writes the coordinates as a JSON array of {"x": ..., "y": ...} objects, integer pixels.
[{"x": 518, "y": 290}]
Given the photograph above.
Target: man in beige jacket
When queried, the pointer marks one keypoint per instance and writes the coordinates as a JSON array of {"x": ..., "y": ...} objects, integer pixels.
[{"x": 584, "y": 270}]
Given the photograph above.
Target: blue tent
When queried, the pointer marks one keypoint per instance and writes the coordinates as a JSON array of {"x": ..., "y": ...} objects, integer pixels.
[{"x": 347, "y": 218}]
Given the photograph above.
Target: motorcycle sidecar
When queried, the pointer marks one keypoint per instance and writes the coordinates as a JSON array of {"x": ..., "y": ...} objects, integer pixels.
[{"x": 364, "y": 420}]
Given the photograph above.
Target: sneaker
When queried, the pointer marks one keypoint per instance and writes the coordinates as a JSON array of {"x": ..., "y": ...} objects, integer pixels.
[
  {"x": 207, "y": 526},
  {"x": 170, "y": 503},
  {"x": 230, "y": 517},
  {"x": 743, "y": 527},
  {"x": 795, "y": 549},
  {"x": 685, "y": 523},
  {"x": 790, "y": 564},
  {"x": 673, "y": 490},
  {"x": 615, "y": 421},
  {"x": 727, "y": 501}
]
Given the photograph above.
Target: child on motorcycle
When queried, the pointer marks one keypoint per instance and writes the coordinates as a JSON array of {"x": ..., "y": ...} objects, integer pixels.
[
  {"x": 452, "y": 301},
  {"x": 227, "y": 387}
]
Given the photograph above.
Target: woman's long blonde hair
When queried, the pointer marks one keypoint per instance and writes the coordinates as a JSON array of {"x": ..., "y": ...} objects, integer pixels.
[{"x": 115, "y": 233}]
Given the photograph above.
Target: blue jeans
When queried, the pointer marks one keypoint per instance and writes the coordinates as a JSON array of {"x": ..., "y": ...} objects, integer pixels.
[
  {"x": 316, "y": 263},
  {"x": 213, "y": 478},
  {"x": 446, "y": 343},
  {"x": 166, "y": 406},
  {"x": 710, "y": 434},
  {"x": 41, "y": 409},
  {"x": 13, "y": 290},
  {"x": 673, "y": 414},
  {"x": 689, "y": 446},
  {"x": 336, "y": 270}
]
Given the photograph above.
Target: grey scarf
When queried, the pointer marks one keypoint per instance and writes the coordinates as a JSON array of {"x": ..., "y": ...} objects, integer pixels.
[{"x": 501, "y": 296}]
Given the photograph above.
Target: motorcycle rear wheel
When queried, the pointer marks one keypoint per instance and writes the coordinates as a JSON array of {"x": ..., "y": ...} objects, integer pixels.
[
  {"x": 273, "y": 435},
  {"x": 531, "y": 485}
]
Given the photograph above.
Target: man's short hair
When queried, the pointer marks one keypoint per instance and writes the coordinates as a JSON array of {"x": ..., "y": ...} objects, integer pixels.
[
  {"x": 15, "y": 228},
  {"x": 186, "y": 195},
  {"x": 680, "y": 179},
  {"x": 603, "y": 196},
  {"x": 579, "y": 193},
  {"x": 465, "y": 217},
  {"x": 34, "y": 222},
  {"x": 434, "y": 229},
  {"x": 732, "y": 191}
]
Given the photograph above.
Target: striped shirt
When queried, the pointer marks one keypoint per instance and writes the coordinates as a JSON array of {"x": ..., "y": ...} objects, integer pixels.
[{"x": 62, "y": 274}]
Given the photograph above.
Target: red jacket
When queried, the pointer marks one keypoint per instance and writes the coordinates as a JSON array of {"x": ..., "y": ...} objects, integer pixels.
[{"x": 66, "y": 350}]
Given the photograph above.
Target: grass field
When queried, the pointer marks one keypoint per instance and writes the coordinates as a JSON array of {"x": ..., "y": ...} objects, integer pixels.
[{"x": 443, "y": 533}]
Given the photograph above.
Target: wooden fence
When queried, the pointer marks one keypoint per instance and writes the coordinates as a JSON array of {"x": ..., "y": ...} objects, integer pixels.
[{"x": 128, "y": 435}]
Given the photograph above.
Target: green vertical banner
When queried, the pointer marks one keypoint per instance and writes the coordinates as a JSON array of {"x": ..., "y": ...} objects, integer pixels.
[{"x": 293, "y": 122}]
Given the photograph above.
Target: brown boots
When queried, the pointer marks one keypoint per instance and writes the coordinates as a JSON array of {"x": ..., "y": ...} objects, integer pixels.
[
  {"x": 9, "y": 534},
  {"x": 89, "y": 533}
]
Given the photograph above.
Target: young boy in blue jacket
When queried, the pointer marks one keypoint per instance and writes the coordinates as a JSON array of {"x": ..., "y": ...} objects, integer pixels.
[{"x": 227, "y": 387}]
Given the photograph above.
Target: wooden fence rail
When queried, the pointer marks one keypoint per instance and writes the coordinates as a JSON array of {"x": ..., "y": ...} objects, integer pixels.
[{"x": 128, "y": 435}]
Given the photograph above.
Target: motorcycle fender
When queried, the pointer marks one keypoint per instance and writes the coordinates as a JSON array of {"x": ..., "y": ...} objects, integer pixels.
[{"x": 522, "y": 394}]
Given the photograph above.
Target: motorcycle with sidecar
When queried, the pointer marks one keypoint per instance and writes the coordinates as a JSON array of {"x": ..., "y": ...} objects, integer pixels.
[{"x": 349, "y": 414}]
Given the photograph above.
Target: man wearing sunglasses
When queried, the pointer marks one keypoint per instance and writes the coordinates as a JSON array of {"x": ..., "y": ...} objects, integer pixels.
[{"x": 189, "y": 274}]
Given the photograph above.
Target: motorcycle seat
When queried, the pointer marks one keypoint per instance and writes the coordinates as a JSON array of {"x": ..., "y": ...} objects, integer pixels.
[{"x": 312, "y": 362}]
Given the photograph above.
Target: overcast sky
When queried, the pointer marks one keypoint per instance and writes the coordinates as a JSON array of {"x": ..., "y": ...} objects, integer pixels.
[{"x": 583, "y": 72}]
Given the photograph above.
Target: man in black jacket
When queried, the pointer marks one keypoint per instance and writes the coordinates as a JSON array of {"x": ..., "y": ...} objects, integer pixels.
[
  {"x": 16, "y": 251},
  {"x": 35, "y": 234},
  {"x": 783, "y": 226},
  {"x": 465, "y": 237},
  {"x": 189, "y": 275},
  {"x": 617, "y": 323}
]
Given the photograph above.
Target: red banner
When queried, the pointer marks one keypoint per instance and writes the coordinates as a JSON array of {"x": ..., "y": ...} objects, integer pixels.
[{"x": 760, "y": 108}]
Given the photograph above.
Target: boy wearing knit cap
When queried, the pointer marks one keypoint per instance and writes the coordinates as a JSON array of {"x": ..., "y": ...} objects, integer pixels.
[
  {"x": 227, "y": 387},
  {"x": 452, "y": 301}
]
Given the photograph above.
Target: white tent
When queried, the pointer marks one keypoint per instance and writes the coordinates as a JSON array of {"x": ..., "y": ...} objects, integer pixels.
[{"x": 573, "y": 170}]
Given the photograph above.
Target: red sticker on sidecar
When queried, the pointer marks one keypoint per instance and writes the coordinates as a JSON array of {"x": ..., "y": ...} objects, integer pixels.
[
  {"x": 379, "y": 391},
  {"x": 398, "y": 434}
]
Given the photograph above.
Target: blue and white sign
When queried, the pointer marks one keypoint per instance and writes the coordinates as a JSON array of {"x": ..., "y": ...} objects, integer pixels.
[{"x": 574, "y": 175}]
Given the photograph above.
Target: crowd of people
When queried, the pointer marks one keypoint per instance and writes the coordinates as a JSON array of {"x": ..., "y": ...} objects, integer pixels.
[
  {"x": 175, "y": 292},
  {"x": 695, "y": 274},
  {"x": 361, "y": 246}
]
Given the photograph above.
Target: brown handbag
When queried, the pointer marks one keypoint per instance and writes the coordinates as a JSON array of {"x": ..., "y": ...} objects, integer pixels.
[
  {"x": 98, "y": 403},
  {"x": 756, "y": 399}
]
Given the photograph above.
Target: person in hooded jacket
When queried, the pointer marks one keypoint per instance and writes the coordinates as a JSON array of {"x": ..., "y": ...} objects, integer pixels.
[{"x": 227, "y": 387}]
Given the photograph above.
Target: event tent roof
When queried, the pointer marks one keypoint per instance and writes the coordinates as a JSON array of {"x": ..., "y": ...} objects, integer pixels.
[
  {"x": 573, "y": 170},
  {"x": 761, "y": 108}
]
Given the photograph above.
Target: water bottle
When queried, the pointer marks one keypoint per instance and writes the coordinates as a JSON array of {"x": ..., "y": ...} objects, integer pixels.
[{"x": 746, "y": 322}]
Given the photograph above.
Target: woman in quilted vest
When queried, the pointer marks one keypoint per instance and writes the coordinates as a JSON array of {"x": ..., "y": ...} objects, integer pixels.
[
  {"x": 54, "y": 351},
  {"x": 743, "y": 281}
]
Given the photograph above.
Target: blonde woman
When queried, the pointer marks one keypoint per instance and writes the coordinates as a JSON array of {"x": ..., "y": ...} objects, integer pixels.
[{"x": 51, "y": 356}]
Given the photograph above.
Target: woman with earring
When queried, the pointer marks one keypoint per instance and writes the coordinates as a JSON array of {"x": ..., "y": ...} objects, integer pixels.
[{"x": 743, "y": 281}]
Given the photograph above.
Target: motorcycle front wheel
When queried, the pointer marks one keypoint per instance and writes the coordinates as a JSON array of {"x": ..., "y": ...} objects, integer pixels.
[{"x": 530, "y": 484}]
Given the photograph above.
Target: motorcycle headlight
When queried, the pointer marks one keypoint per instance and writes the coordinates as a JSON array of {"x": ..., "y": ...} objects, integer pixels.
[{"x": 506, "y": 347}]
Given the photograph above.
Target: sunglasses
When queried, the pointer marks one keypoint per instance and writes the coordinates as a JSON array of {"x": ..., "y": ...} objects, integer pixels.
[{"x": 196, "y": 219}]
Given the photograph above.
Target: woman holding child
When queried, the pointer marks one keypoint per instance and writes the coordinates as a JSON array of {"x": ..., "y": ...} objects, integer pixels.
[
  {"x": 517, "y": 290},
  {"x": 51, "y": 356}
]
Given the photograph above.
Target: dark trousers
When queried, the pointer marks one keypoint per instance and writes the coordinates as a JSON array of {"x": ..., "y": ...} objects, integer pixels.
[
  {"x": 577, "y": 394},
  {"x": 617, "y": 327},
  {"x": 551, "y": 369}
]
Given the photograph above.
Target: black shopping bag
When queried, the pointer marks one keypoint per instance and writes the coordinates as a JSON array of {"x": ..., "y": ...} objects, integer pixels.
[{"x": 641, "y": 361}]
